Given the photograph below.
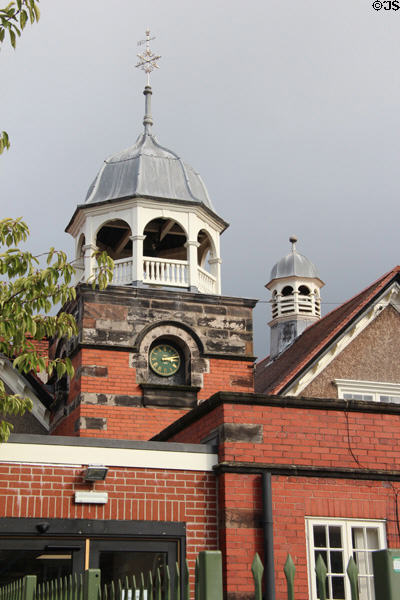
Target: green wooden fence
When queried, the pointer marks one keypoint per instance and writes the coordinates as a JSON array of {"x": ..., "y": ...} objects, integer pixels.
[{"x": 208, "y": 583}]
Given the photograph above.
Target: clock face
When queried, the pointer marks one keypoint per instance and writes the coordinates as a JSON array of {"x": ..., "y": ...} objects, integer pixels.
[{"x": 165, "y": 360}]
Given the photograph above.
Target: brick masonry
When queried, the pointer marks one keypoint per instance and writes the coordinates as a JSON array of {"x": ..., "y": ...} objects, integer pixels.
[
  {"x": 117, "y": 327},
  {"x": 257, "y": 432},
  {"x": 134, "y": 494}
]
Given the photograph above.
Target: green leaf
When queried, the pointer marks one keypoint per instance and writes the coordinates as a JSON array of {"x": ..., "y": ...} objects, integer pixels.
[
  {"x": 12, "y": 38},
  {"x": 23, "y": 18},
  {"x": 36, "y": 11}
]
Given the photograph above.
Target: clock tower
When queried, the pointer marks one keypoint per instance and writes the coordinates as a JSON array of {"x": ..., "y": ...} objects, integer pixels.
[{"x": 161, "y": 338}]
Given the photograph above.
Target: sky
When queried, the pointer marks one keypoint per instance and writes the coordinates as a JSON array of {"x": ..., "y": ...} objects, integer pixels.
[{"x": 290, "y": 111}]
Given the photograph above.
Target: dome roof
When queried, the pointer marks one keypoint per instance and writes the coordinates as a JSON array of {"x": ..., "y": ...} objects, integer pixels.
[
  {"x": 294, "y": 265},
  {"x": 148, "y": 169}
]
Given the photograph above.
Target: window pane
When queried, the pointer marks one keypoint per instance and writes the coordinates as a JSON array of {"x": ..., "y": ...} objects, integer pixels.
[
  {"x": 363, "y": 589},
  {"x": 116, "y": 565},
  {"x": 361, "y": 559},
  {"x": 320, "y": 536},
  {"x": 372, "y": 539},
  {"x": 357, "y": 534},
  {"x": 335, "y": 537},
  {"x": 336, "y": 562},
  {"x": 395, "y": 399},
  {"x": 338, "y": 588}
]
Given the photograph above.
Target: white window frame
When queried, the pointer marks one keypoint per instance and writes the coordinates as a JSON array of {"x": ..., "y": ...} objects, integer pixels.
[
  {"x": 376, "y": 389},
  {"x": 347, "y": 547}
]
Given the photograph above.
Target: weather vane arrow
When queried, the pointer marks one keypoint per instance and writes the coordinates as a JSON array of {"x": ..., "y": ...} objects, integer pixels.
[{"x": 147, "y": 60}]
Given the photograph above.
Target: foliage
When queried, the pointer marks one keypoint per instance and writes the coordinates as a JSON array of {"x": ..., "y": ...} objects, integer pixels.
[
  {"x": 13, "y": 19},
  {"x": 28, "y": 293},
  {"x": 4, "y": 141},
  {"x": 15, "y": 16}
]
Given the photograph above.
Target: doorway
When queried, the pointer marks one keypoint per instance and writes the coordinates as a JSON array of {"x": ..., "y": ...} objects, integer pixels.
[{"x": 57, "y": 548}]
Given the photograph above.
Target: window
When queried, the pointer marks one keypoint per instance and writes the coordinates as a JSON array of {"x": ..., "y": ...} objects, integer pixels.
[
  {"x": 337, "y": 540},
  {"x": 369, "y": 391}
]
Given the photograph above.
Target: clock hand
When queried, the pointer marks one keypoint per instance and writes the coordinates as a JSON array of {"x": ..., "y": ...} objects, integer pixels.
[{"x": 169, "y": 358}]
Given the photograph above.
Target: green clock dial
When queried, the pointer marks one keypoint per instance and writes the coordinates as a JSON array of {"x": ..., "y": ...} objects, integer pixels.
[{"x": 165, "y": 360}]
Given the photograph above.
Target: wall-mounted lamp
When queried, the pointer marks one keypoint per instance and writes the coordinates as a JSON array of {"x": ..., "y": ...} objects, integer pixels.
[{"x": 95, "y": 473}]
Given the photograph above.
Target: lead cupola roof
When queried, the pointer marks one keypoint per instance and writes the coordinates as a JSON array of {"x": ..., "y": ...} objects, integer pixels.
[
  {"x": 294, "y": 265},
  {"x": 148, "y": 169}
]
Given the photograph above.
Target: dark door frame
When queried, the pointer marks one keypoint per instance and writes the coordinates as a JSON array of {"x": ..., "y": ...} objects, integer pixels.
[{"x": 13, "y": 529}]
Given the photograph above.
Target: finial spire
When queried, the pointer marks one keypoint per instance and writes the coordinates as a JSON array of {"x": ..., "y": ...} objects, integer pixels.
[
  {"x": 293, "y": 240},
  {"x": 147, "y": 62}
]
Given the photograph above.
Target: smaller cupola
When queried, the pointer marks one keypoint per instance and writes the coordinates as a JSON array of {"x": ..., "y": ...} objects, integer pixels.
[{"x": 296, "y": 303}]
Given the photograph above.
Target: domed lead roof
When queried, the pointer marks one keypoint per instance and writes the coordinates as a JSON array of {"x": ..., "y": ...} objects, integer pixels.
[
  {"x": 294, "y": 264},
  {"x": 148, "y": 169}
]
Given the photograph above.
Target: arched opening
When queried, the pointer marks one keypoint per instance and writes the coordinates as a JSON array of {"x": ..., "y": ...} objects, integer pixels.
[
  {"x": 287, "y": 290},
  {"x": 164, "y": 238},
  {"x": 115, "y": 238},
  {"x": 303, "y": 290},
  {"x": 287, "y": 300},
  {"x": 204, "y": 250},
  {"x": 305, "y": 300}
]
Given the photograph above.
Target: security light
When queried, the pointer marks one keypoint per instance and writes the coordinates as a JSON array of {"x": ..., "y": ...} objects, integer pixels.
[{"x": 95, "y": 473}]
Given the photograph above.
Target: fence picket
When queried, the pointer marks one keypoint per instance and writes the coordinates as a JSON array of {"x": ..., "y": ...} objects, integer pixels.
[
  {"x": 289, "y": 570},
  {"x": 158, "y": 585},
  {"x": 257, "y": 569},
  {"x": 321, "y": 572},
  {"x": 177, "y": 584},
  {"x": 186, "y": 582},
  {"x": 149, "y": 586},
  {"x": 134, "y": 587},
  {"x": 352, "y": 573},
  {"x": 167, "y": 583},
  {"x": 141, "y": 586},
  {"x": 29, "y": 587}
]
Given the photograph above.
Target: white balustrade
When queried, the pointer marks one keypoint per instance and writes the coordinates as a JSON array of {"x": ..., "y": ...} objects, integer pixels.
[
  {"x": 122, "y": 273},
  {"x": 207, "y": 282},
  {"x": 162, "y": 271}
]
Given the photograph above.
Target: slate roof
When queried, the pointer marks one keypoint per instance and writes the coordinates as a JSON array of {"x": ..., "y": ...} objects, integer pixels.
[{"x": 273, "y": 378}]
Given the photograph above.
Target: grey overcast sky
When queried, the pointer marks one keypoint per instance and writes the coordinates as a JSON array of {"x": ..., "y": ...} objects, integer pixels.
[{"x": 289, "y": 110}]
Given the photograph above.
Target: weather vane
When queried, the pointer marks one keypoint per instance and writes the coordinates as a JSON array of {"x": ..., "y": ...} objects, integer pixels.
[{"x": 147, "y": 60}]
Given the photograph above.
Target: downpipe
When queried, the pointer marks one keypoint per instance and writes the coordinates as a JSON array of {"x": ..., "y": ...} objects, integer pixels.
[{"x": 269, "y": 571}]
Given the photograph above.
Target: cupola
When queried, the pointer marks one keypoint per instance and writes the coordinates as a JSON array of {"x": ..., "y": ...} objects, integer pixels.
[
  {"x": 151, "y": 212},
  {"x": 295, "y": 286}
]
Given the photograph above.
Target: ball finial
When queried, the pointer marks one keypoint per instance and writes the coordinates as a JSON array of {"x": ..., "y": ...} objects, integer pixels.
[{"x": 293, "y": 240}]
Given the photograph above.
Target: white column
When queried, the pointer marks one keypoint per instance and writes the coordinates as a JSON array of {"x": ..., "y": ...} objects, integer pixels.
[
  {"x": 193, "y": 274},
  {"x": 216, "y": 271},
  {"x": 89, "y": 260},
  {"x": 137, "y": 257}
]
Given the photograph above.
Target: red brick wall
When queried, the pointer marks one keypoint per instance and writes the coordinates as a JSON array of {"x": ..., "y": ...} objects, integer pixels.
[
  {"x": 298, "y": 436},
  {"x": 134, "y": 494},
  {"x": 108, "y": 372},
  {"x": 293, "y": 499},
  {"x": 227, "y": 376},
  {"x": 305, "y": 436}
]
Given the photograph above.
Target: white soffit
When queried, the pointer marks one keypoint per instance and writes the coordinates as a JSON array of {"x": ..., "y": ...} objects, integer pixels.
[
  {"x": 390, "y": 296},
  {"x": 110, "y": 457}
]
